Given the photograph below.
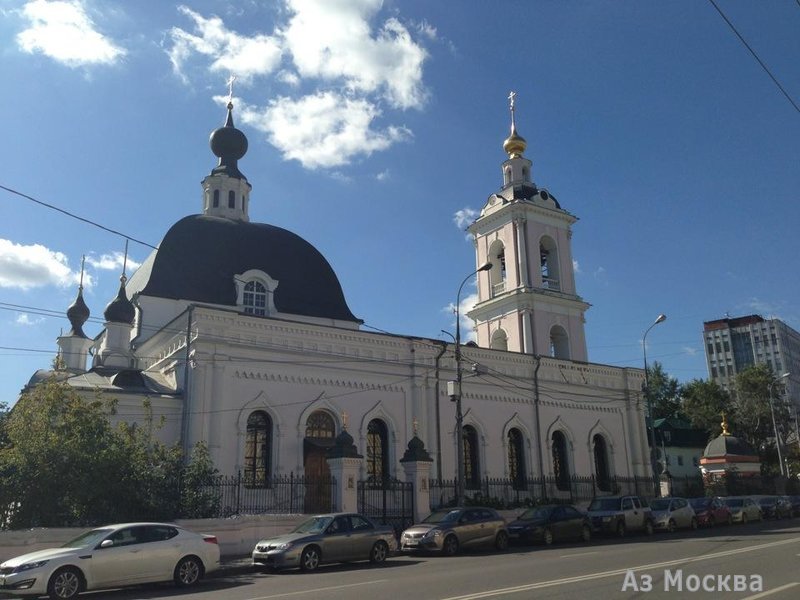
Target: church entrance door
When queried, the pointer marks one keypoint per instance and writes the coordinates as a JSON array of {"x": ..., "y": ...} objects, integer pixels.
[{"x": 320, "y": 434}]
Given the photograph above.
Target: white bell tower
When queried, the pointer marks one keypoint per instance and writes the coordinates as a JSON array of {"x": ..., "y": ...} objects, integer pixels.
[{"x": 527, "y": 302}]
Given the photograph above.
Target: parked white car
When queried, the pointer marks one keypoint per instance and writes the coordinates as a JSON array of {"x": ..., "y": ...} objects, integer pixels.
[
  {"x": 113, "y": 556},
  {"x": 670, "y": 514}
]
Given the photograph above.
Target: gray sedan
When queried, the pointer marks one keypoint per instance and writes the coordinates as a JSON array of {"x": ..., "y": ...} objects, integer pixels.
[{"x": 336, "y": 537}]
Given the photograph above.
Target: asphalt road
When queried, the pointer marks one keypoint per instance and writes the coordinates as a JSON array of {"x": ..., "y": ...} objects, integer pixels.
[{"x": 765, "y": 557}]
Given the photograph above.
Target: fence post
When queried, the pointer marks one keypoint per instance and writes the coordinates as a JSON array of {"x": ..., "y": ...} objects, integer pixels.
[
  {"x": 238, "y": 492},
  {"x": 291, "y": 491}
]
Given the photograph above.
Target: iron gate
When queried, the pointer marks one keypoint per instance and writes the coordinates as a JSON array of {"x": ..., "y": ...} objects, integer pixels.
[{"x": 387, "y": 501}]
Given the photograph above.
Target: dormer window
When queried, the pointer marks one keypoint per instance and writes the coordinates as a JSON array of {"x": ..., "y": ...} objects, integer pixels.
[
  {"x": 255, "y": 293},
  {"x": 255, "y": 298}
]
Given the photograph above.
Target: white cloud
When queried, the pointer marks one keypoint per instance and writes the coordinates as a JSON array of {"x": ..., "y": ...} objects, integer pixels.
[
  {"x": 112, "y": 262},
  {"x": 322, "y": 130},
  {"x": 26, "y": 267},
  {"x": 230, "y": 52},
  {"x": 688, "y": 350},
  {"x": 465, "y": 217},
  {"x": 383, "y": 175},
  {"x": 467, "y": 304},
  {"x": 332, "y": 40},
  {"x": 761, "y": 307},
  {"x": 63, "y": 31},
  {"x": 332, "y": 52},
  {"x": 575, "y": 266},
  {"x": 25, "y": 321}
]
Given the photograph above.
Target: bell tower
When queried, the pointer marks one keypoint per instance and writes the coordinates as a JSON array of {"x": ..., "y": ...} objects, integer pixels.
[{"x": 527, "y": 302}]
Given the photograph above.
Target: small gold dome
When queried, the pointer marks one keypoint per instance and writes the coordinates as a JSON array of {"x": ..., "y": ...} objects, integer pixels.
[{"x": 515, "y": 145}]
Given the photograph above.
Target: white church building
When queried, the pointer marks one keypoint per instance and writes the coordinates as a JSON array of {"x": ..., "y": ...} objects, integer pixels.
[{"x": 238, "y": 334}]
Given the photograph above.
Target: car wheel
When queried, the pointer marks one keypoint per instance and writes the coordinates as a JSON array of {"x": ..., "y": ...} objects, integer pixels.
[
  {"x": 586, "y": 534},
  {"x": 548, "y": 537},
  {"x": 671, "y": 526},
  {"x": 309, "y": 559},
  {"x": 501, "y": 541},
  {"x": 621, "y": 529},
  {"x": 693, "y": 524},
  {"x": 450, "y": 545},
  {"x": 648, "y": 527},
  {"x": 188, "y": 571},
  {"x": 65, "y": 583},
  {"x": 379, "y": 553}
]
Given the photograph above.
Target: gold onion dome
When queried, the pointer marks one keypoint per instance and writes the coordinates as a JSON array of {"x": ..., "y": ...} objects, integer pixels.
[{"x": 515, "y": 144}]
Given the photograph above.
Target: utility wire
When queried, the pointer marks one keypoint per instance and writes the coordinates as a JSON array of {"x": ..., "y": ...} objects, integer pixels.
[
  {"x": 74, "y": 216},
  {"x": 760, "y": 62}
]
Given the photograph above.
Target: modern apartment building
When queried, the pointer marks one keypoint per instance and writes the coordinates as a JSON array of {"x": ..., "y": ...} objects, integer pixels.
[{"x": 735, "y": 343}]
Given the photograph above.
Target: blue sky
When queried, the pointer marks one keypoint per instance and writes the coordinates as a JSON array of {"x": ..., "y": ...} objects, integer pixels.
[{"x": 376, "y": 132}]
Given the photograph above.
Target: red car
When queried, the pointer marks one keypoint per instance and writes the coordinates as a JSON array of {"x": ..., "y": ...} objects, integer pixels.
[{"x": 711, "y": 511}]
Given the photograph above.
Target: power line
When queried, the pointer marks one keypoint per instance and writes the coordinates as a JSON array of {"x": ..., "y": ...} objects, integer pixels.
[
  {"x": 760, "y": 62},
  {"x": 74, "y": 216}
]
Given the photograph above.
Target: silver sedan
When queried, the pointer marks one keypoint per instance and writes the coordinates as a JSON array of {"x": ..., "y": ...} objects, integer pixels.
[
  {"x": 112, "y": 556},
  {"x": 335, "y": 537}
]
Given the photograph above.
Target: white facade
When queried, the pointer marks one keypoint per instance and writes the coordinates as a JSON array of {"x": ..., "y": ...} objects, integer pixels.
[{"x": 267, "y": 389}]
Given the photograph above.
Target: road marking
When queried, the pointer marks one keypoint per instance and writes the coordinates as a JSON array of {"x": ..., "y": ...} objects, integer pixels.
[
  {"x": 579, "y": 554},
  {"x": 604, "y": 574},
  {"x": 770, "y": 592},
  {"x": 325, "y": 589}
]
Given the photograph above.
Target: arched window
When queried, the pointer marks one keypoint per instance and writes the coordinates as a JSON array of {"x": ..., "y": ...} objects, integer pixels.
[
  {"x": 257, "y": 449},
  {"x": 506, "y": 175},
  {"x": 559, "y": 342},
  {"x": 471, "y": 466},
  {"x": 601, "y": 463},
  {"x": 560, "y": 460},
  {"x": 497, "y": 274},
  {"x": 216, "y": 198},
  {"x": 254, "y": 298},
  {"x": 377, "y": 451},
  {"x": 231, "y": 199},
  {"x": 499, "y": 340},
  {"x": 516, "y": 459},
  {"x": 548, "y": 255},
  {"x": 320, "y": 425}
]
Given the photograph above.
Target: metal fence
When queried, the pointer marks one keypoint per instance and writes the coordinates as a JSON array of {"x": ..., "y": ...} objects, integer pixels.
[
  {"x": 507, "y": 493},
  {"x": 279, "y": 494},
  {"x": 387, "y": 501}
]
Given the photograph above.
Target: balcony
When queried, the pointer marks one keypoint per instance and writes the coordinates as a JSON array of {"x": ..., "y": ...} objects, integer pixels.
[{"x": 550, "y": 283}]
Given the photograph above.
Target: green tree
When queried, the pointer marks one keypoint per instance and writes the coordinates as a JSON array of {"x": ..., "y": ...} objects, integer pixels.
[
  {"x": 199, "y": 499},
  {"x": 58, "y": 449},
  {"x": 703, "y": 402},
  {"x": 751, "y": 415},
  {"x": 664, "y": 392}
]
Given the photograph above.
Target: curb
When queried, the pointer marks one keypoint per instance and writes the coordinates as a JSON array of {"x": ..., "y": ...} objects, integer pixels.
[{"x": 234, "y": 565}]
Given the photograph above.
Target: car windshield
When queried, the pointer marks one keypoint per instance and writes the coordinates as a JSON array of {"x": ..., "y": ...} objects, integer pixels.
[
  {"x": 735, "y": 502},
  {"x": 90, "y": 538},
  {"x": 313, "y": 525},
  {"x": 604, "y": 504},
  {"x": 542, "y": 512},
  {"x": 660, "y": 504},
  {"x": 700, "y": 502},
  {"x": 442, "y": 516}
]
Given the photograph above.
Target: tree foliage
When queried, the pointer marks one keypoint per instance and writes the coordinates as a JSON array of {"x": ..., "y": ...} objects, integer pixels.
[
  {"x": 62, "y": 463},
  {"x": 703, "y": 403},
  {"x": 664, "y": 392}
]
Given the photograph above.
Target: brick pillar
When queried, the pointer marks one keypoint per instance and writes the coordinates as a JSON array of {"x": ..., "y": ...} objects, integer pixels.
[
  {"x": 345, "y": 463},
  {"x": 417, "y": 466}
]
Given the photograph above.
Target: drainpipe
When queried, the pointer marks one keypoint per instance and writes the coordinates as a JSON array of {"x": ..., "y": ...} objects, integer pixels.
[
  {"x": 186, "y": 369},
  {"x": 438, "y": 417},
  {"x": 536, "y": 413}
]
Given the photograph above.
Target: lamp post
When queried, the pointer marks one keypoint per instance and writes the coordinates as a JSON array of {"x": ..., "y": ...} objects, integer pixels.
[
  {"x": 454, "y": 390},
  {"x": 774, "y": 426},
  {"x": 652, "y": 442}
]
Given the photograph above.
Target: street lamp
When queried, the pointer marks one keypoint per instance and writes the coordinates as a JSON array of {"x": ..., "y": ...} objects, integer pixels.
[
  {"x": 774, "y": 426},
  {"x": 454, "y": 390},
  {"x": 660, "y": 319}
]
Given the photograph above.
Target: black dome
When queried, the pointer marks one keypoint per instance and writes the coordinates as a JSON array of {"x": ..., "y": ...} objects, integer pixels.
[
  {"x": 727, "y": 445},
  {"x": 229, "y": 144},
  {"x": 78, "y": 314},
  {"x": 120, "y": 309},
  {"x": 200, "y": 255}
]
